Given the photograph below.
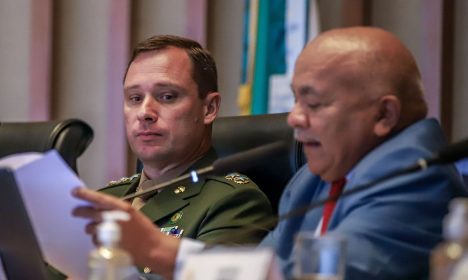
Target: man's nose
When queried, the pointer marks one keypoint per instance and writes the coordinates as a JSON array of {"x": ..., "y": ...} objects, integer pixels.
[
  {"x": 148, "y": 110},
  {"x": 296, "y": 117}
]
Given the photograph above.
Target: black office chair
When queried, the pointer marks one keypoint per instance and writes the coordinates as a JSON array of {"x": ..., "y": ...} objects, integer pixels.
[
  {"x": 239, "y": 133},
  {"x": 69, "y": 137}
]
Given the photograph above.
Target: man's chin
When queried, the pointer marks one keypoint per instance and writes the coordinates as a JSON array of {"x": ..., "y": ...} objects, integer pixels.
[
  {"x": 326, "y": 174},
  {"x": 149, "y": 155},
  {"x": 318, "y": 170}
]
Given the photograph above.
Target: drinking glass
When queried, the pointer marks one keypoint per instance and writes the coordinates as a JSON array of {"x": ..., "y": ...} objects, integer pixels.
[{"x": 319, "y": 258}]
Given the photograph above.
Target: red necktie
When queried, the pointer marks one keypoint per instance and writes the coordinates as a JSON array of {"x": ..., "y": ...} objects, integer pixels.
[{"x": 335, "y": 190}]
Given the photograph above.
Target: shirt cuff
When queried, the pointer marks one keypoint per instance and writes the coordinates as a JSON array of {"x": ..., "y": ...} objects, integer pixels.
[{"x": 187, "y": 247}]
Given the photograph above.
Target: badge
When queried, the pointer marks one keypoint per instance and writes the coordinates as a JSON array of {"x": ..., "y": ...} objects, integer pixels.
[
  {"x": 176, "y": 217},
  {"x": 238, "y": 178},
  {"x": 147, "y": 270},
  {"x": 180, "y": 189},
  {"x": 123, "y": 180},
  {"x": 172, "y": 231}
]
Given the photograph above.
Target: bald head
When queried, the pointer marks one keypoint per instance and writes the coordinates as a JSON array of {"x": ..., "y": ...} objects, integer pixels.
[{"x": 381, "y": 65}]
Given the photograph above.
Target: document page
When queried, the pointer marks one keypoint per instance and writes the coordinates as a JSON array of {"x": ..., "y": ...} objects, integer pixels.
[
  {"x": 2, "y": 271},
  {"x": 45, "y": 184}
]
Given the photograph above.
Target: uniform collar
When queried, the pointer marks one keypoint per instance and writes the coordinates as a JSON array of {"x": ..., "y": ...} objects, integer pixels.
[{"x": 171, "y": 199}]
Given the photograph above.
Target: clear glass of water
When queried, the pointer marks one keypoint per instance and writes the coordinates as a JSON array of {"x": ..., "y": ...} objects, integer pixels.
[{"x": 319, "y": 258}]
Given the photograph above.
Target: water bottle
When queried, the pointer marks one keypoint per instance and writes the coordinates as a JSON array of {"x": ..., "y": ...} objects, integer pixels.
[
  {"x": 108, "y": 261},
  {"x": 449, "y": 260}
]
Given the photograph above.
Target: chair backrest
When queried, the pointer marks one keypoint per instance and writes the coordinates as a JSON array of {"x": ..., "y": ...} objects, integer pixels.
[
  {"x": 239, "y": 133},
  {"x": 69, "y": 137}
]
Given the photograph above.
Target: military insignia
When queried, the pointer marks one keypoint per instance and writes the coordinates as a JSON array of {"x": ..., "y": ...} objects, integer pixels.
[
  {"x": 172, "y": 231},
  {"x": 180, "y": 189},
  {"x": 123, "y": 180},
  {"x": 147, "y": 270},
  {"x": 238, "y": 178},
  {"x": 177, "y": 216}
]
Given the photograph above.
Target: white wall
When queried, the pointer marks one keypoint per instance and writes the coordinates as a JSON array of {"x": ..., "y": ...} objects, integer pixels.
[{"x": 14, "y": 60}]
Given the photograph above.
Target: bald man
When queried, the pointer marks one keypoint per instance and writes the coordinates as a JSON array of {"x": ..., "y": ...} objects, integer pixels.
[{"x": 360, "y": 114}]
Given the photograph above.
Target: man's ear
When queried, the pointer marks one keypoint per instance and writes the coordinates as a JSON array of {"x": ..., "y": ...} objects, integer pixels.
[
  {"x": 389, "y": 115},
  {"x": 211, "y": 107}
]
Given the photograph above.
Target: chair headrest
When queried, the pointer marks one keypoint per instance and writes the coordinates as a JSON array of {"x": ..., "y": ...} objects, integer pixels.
[
  {"x": 69, "y": 137},
  {"x": 239, "y": 133}
]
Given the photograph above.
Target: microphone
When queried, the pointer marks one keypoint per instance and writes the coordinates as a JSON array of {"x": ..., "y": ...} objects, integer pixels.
[
  {"x": 447, "y": 154},
  {"x": 239, "y": 162},
  {"x": 450, "y": 153}
]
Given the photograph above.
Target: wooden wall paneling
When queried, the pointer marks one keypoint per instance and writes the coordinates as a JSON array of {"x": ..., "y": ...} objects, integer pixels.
[
  {"x": 357, "y": 12},
  {"x": 40, "y": 49},
  {"x": 447, "y": 66}
]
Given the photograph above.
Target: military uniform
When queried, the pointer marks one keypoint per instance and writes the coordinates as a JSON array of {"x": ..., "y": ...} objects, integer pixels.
[{"x": 212, "y": 209}]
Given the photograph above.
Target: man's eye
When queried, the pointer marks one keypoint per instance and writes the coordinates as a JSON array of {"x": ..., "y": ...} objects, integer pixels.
[
  {"x": 314, "y": 106},
  {"x": 167, "y": 97},
  {"x": 135, "y": 98}
]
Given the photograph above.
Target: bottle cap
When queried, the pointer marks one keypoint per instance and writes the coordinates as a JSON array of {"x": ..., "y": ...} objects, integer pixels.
[
  {"x": 108, "y": 232},
  {"x": 456, "y": 222}
]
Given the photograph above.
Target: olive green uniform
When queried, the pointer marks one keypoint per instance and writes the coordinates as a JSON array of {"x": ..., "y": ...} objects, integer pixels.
[{"x": 214, "y": 208}]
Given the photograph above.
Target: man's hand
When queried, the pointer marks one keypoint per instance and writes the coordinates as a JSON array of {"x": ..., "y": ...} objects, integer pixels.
[{"x": 140, "y": 237}]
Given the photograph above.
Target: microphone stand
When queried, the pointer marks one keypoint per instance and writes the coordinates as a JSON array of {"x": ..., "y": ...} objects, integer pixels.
[
  {"x": 269, "y": 223},
  {"x": 194, "y": 174},
  {"x": 448, "y": 154},
  {"x": 421, "y": 165},
  {"x": 239, "y": 161}
]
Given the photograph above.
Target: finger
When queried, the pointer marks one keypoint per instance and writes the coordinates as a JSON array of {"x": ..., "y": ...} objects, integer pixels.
[
  {"x": 100, "y": 200},
  {"x": 88, "y": 212},
  {"x": 91, "y": 228},
  {"x": 95, "y": 240}
]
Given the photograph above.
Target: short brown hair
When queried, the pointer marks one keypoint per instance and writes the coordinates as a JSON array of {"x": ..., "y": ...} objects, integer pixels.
[{"x": 204, "y": 71}]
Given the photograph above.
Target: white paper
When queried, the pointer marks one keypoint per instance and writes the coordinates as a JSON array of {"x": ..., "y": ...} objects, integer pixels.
[
  {"x": 18, "y": 160},
  {"x": 232, "y": 264},
  {"x": 45, "y": 184},
  {"x": 2, "y": 271}
]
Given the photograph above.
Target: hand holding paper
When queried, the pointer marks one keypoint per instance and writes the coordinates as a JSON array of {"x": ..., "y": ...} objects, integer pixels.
[
  {"x": 140, "y": 237},
  {"x": 45, "y": 182}
]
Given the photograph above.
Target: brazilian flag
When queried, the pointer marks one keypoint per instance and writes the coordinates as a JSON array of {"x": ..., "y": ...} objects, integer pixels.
[{"x": 264, "y": 52}]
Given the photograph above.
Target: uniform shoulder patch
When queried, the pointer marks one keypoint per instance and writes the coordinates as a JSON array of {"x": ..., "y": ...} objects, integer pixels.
[
  {"x": 237, "y": 178},
  {"x": 123, "y": 180}
]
